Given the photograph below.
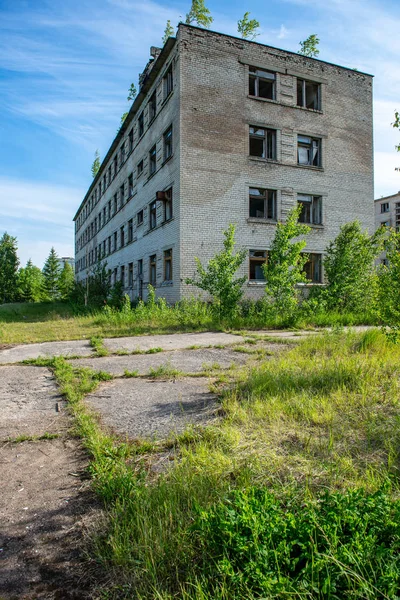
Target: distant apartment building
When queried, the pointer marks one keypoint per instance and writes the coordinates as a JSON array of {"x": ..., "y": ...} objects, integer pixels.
[
  {"x": 387, "y": 214},
  {"x": 223, "y": 131}
]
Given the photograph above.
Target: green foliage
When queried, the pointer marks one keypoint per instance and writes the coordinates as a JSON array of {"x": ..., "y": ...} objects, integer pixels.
[
  {"x": 96, "y": 164},
  {"x": 66, "y": 281},
  {"x": 8, "y": 268},
  {"x": 132, "y": 93},
  {"x": 339, "y": 546},
  {"x": 168, "y": 32},
  {"x": 218, "y": 278},
  {"x": 349, "y": 268},
  {"x": 199, "y": 14},
  {"x": 284, "y": 269},
  {"x": 124, "y": 117},
  {"x": 396, "y": 125},
  {"x": 389, "y": 284},
  {"x": 310, "y": 46},
  {"x": 30, "y": 283},
  {"x": 248, "y": 27},
  {"x": 51, "y": 276},
  {"x": 117, "y": 295}
]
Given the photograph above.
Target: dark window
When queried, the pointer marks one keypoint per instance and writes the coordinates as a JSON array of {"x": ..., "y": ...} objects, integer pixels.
[
  {"x": 130, "y": 185},
  {"x": 152, "y": 106},
  {"x": 311, "y": 209},
  {"x": 130, "y": 140},
  {"x": 122, "y": 237},
  {"x": 115, "y": 240},
  {"x": 140, "y": 168},
  {"x": 122, "y": 154},
  {"x": 104, "y": 248},
  {"x": 263, "y": 142},
  {"x": 109, "y": 174},
  {"x": 153, "y": 270},
  {"x": 308, "y": 151},
  {"x": 312, "y": 268},
  {"x": 168, "y": 143},
  {"x": 308, "y": 94},
  {"x": 168, "y": 83},
  {"x": 262, "y": 203},
  {"x": 104, "y": 184},
  {"x": 109, "y": 245},
  {"x": 257, "y": 259},
  {"x": 115, "y": 164},
  {"x": 168, "y": 205},
  {"x": 109, "y": 210},
  {"x": 153, "y": 160},
  {"x": 104, "y": 215},
  {"x": 140, "y": 125},
  {"x": 130, "y": 275},
  {"x": 261, "y": 83},
  {"x": 115, "y": 203},
  {"x": 115, "y": 274},
  {"x": 122, "y": 194},
  {"x": 123, "y": 275},
  {"x": 140, "y": 217},
  {"x": 130, "y": 230},
  {"x": 140, "y": 269},
  {"x": 153, "y": 215},
  {"x": 384, "y": 207},
  {"x": 168, "y": 265}
]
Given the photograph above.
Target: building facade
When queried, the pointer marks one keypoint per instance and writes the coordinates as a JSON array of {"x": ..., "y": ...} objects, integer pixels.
[
  {"x": 226, "y": 131},
  {"x": 387, "y": 211}
]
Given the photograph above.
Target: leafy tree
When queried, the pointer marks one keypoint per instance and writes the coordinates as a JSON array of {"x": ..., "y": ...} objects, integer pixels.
[
  {"x": 168, "y": 32},
  {"x": 30, "y": 283},
  {"x": 284, "y": 269},
  {"x": 310, "y": 46},
  {"x": 349, "y": 268},
  {"x": 389, "y": 283},
  {"x": 51, "y": 276},
  {"x": 8, "y": 268},
  {"x": 99, "y": 284},
  {"x": 96, "y": 164},
  {"x": 66, "y": 281},
  {"x": 132, "y": 93},
  {"x": 248, "y": 27},
  {"x": 199, "y": 14},
  {"x": 218, "y": 278}
]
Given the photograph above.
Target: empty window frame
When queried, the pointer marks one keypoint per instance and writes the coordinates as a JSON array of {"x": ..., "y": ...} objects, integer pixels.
[
  {"x": 140, "y": 168},
  {"x": 104, "y": 215},
  {"x": 123, "y": 153},
  {"x": 122, "y": 237},
  {"x": 308, "y": 151},
  {"x": 311, "y": 209},
  {"x": 109, "y": 174},
  {"x": 140, "y": 125},
  {"x": 115, "y": 204},
  {"x": 140, "y": 217},
  {"x": 115, "y": 165},
  {"x": 130, "y": 185},
  {"x": 308, "y": 94},
  {"x": 130, "y": 275},
  {"x": 257, "y": 258},
  {"x": 313, "y": 269},
  {"x": 140, "y": 269},
  {"x": 130, "y": 230},
  {"x": 152, "y": 106},
  {"x": 153, "y": 270},
  {"x": 168, "y": 265},
  {"x": 115, "y": 274},
  {"x": 153, "y": 160},
  {"x": 168, "y": 143},
  {"x": 123, "y": 275},
  {"x": 168, "y": 205},
  {"x": 121, "y": 195},
  {"x": 130, "y": 141},
  {"x": 109, "y": 244},
  {"x": 168, "y": 82},
  {"x": 153, "y": 215},
  {"x": 104, "y": 184},
  {"x": 262, "y": 203},
  {"x": 385, "y": 207},
  {"x": 263, "y": 143},
  {"x": 115, "y": 240},
  {"x": 109, "y": 209},
  {"x": 262, "y": 84}
]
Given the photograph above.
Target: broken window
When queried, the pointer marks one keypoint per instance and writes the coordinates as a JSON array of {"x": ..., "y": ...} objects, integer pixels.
[
  {"x": 130, "y": 141},
  {"x": 140, "y": 168},
  {"x": 109, "y": 210},
  {"x": 115, "y": 274},
  {"x": 168, "y": 82},
  {"x": 153, "y": 215},
  {"x": 109, "y": 174},
  {"x": 123, "y": 275},
  {"x": 308, "y": 94},
  {"x": 152, "y": 106},
  {"x": 168, "y": 143},
  {"x": 140, "y": 217},
  {"x": 308, "y": 151},
  {"x": 168, "y": 205},
  {"x": 153, "y": 270},
  {"x": 256, "y": 261},
  {"x": 122, "y": 194},
  {"x": 109, "y": 244},
  {"x": 140, "y": 125},
  {"x": 263, "y": 142},
  {"x": 312, "y": 268},
  {"x": 262, "y": 83},
  {"x": 168, "y": 265},
  {"x": 123, "y": 153},
  {"x": 115, "y": 165},
  {"x": 153, "y": 160},
  {"x": 130, "y": 275},
  {"x": 311, "y": 209},
  {"x": 130, "y": 230},
  {"x": 122, "y": 237},
  {"x": 130, "y": 185},
  {"x": 384, "y": 207},
  {"x": 115, "y": 240},
  {"x": 262, "y": 203},
  {"x": 115, "y": 204}
]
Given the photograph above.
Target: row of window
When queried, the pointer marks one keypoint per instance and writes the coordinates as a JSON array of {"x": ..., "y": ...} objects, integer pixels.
[
  {"x": 263, "y": 205},
  {"x": 257, "y": 258},
  {"x": 120, "y": 273},
  {"x": 126, "y": 148},
  {"x": 262, "y": 84},
  {"x": 262, "y": 144}
]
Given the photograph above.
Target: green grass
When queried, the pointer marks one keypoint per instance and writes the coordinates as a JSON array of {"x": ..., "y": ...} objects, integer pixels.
[
  {"x": 293, "y": 493},
  {"x": 98, "y": 346},
  {"x": 33, "y": 438}
]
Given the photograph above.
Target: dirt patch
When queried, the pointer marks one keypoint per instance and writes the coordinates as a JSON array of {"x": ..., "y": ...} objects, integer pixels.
[{"x": 45, "y": 506}]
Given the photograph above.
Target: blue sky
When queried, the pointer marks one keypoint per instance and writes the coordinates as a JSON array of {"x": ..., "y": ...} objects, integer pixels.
[{"x": 66, "y": 66}]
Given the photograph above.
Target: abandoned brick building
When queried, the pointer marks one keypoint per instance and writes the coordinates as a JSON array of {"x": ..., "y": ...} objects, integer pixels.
[{"x": 223, "y": 131}]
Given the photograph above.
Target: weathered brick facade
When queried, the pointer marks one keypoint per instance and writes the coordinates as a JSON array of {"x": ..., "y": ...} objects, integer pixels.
[{"x": 211, "y": 169}]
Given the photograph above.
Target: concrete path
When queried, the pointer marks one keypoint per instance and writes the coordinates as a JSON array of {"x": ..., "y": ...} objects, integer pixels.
[{"x": 22, "y": 352}]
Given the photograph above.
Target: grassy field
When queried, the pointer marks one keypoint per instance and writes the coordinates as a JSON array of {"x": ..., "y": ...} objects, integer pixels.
[
  {"x": 25, "y": 323},
  {"x": 293, "y": 493}
]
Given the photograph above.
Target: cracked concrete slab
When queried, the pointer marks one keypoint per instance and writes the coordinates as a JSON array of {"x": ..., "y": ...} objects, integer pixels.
[
  {"x": 28, "y": 402},
  {"x": 176, "y": 341},
  {"x": 153, "y": 409},
  {"x": 190, "y": 361},
  {"x": 45, "y": 349}
]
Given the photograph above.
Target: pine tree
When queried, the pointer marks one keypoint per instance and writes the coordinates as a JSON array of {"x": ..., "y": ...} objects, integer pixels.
[
  {"x": 66, "y": 281},
  {"x": 8, "y": 268},
  {"x": 30, "y": 283},
  {"x": 51, "y": 275}
]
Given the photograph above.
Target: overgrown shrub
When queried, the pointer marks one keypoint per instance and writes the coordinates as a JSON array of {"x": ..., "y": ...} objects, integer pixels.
[{"x": 389, "y": 284}]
